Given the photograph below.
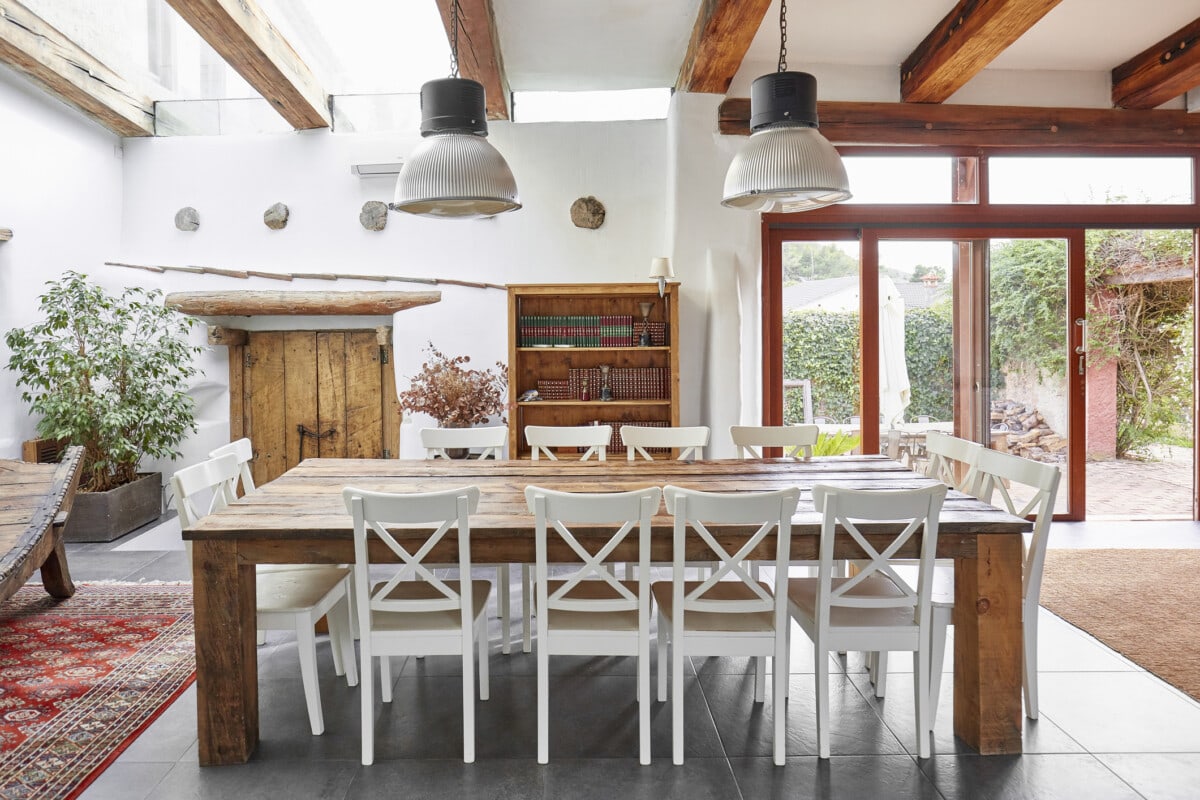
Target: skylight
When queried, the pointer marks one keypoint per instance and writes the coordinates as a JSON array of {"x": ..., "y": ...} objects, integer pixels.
[{"x": 603, "y": 106}]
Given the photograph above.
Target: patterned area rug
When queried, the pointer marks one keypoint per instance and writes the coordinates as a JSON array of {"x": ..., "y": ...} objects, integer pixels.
[
  {"x": 1145, "y": 604},
  {"x": 81, "y": 678}
]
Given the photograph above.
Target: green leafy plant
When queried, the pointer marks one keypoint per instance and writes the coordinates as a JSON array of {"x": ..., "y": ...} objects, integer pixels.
[
  {"x": 108, "y": 372},
  {"x": 454, "y": 395},
  {"x": 836, "y": 444}
]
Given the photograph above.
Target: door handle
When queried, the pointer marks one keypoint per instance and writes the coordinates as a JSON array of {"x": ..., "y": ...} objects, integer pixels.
[
  {"x": 1082, "y": 348},
  {"x": 305, "y": 433}
]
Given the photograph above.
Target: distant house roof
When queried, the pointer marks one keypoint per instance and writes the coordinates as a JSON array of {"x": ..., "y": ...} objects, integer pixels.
[{"x": 807, "y": 294}]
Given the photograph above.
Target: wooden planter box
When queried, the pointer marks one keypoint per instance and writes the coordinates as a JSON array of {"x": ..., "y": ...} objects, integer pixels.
[{"x": 104, "y": 516}]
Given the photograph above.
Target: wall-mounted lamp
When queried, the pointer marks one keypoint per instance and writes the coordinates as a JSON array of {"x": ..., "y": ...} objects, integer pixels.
[{"x": 660, "y": 269}]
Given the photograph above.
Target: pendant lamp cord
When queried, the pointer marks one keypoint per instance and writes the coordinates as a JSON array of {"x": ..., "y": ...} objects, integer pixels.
[
  {"x": 782, "y": 35},
  {"x": 454, "y": 38}
]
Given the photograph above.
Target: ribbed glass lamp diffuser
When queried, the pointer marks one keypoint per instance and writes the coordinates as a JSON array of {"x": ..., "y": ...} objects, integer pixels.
[
  {"x": 787, "y": 165},
  {"x": 455, "y": 172}
]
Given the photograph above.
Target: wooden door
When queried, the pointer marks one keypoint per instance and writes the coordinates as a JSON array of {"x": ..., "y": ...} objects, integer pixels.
[{"x": 305, "y": 394}]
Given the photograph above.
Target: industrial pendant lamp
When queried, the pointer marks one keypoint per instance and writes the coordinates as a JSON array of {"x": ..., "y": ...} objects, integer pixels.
[
  {"x": 455, "y": 172},
  {"x": 787, "y": 165}
]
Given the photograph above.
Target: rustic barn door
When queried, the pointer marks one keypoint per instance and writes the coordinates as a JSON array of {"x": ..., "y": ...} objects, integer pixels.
[{"x": 304, "y": 394}]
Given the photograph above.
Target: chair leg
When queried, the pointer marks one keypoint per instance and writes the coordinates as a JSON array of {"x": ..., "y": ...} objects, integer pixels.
[
  {"x": 662, "y": 657},
  {"x": 676, "y": 694},
  {"x": 921, "y": 701},
  {"x": 341, "y": 641},
  {"x": 543, "y": 693},
  {"x": 1030, "y": 676},
  {"x": 644, "y": 698},
  {"x": 385, "y": 678},
  {"x": 505, "y": 602},
  {"x": 481, "y": 629},
  {"x": 760, "y": 679},
  {"x": 937, "y": 658},
  {"x": 526, "y": 607},
  {"x": 366, "y": 695},
  {"x": 822, "y": 679},
  {"x": 879, "y": 672},
  {"x": 468, "y": 701},
  {"x": 306, "y": 648}
]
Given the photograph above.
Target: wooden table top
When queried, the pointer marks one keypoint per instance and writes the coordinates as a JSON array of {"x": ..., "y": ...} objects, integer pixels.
[{"x": 306, "y": 501}]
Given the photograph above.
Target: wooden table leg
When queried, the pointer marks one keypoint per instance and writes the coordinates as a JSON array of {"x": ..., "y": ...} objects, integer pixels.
[
  {"x": 56, "y": 576},
  {"x": 987, "y": 646},
  {"x": 226, "y": 663}
]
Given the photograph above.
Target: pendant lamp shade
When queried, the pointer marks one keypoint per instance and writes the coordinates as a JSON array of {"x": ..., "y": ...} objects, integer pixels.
[
  {"x": 455, "y": 172},
  {"x": 787, "y": 165}
]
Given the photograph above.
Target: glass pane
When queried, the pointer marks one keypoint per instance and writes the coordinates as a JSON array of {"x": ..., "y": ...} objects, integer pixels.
[
  {"x": 1100, "y": 180},
  {"x": 821, "y": 340},
  {"x": 1029, "y": 353},
  {"x": 1139, "y": 374},
  {"x": 916, "y": 353},
  {"x": 900, "y": 179}
]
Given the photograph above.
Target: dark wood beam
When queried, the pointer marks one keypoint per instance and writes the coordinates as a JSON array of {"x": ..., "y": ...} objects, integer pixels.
[
  {"x": 227, "y": 337},
  {"x": 986, "y": 126},
  {"x": 963, "y": 43},
  {"x": 479, "y": 50},
  {"x": 1159, "y": 73},
  {"x": 252, "y": 303},
  {"x": 720, "y": 39},
  {"x": 245, "y": 38},
  {"x": 64, "y": 69}
]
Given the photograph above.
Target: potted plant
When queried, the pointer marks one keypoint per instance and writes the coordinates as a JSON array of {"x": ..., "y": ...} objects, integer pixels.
[
  {"x": 453, "y": 394},
  {"x": 108, "y": 372}
]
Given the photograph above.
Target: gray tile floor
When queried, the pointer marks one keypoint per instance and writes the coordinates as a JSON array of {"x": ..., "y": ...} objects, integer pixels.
[{"x": 1107, "y": 729}]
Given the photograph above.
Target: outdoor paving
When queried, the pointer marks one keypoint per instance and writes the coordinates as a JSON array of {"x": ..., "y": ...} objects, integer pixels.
[{"x": 1159, "y": 488}]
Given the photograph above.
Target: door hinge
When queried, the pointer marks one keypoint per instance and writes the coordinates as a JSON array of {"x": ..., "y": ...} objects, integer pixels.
[
  {"x": 247, "y": 360},
  {"x": 383, "y": 354}
]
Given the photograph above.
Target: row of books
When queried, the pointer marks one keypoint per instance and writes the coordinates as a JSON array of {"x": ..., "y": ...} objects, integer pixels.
[
  {"x": 578, "y": 330},
  {"x": 615, "y": 445},
  {"x": 627, "y": 383}
]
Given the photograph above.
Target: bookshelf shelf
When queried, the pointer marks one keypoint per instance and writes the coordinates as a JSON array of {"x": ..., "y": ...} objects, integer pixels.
[{"x": 604, "y": 311}]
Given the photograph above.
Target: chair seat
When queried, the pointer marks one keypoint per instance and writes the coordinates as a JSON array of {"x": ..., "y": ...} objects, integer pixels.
[
  {"x": 756, "y": 622},
  {"x": 295, "y": 591},
  {"x": 802, "y": 594},
  {"x": 427, "y": 620},
  {"x": 561, "y": 620}
]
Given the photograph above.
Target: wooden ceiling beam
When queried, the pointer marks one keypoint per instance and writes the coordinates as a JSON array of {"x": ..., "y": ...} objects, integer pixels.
[
  {"x": 963, "y": 43},
  {"x": 241, "y": 33},
  {"x": 479, "y": 55},
  {"x": 64, "y": 69},
  {"x": 985, "y": 126},
  {"x": 721, "y": 36},
  {"x": 1161, "y": 72},
  {"x": 238, "y": 303}
]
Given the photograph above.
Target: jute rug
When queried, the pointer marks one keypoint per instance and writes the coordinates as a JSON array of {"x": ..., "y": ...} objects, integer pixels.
[
  {"x": 81, "y": 678},
  {"x": 1145, "y": 604}
]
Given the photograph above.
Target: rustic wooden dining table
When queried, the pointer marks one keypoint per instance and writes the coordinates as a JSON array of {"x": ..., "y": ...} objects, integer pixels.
[{"x": 300, "y": 518}]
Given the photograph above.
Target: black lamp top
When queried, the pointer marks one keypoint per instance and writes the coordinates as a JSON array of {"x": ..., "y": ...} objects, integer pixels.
[
  {"x": 453, "y": 105},
  {"x": 782, "y": 97}
]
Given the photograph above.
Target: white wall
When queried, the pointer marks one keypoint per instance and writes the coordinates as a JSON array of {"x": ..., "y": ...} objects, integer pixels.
[{"x": 60, "y": 193}]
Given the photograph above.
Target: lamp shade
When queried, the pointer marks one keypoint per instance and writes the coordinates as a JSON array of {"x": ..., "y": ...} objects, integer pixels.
[
  {"x": 787, "y": 164},
  {"x": 455, "y": 172},
  {"x": 661, "y": 268}
]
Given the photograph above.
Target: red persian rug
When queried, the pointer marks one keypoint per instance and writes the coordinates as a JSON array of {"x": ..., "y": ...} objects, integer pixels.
[{"x": 81, "y": 678}]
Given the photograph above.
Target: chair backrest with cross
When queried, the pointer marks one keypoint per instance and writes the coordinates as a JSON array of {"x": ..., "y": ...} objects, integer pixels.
[
  {"x": 690, "y": 441},
  {"x": 797, "y": 440},
  {"x": 437, "y": 441},
  {"x": 544, "y": 438}
]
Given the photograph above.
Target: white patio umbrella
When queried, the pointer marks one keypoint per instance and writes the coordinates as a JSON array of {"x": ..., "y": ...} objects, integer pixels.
[{"x": 895, "y": 391}]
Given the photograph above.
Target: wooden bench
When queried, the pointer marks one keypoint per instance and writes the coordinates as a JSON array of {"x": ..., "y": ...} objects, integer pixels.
[{"x": 34, "y": 502}]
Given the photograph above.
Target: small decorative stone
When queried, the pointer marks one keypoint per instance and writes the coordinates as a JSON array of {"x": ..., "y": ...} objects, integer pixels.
[
  {"x": 373, "y": 215},
  {"x": 587, "y": 212},
  {"x": 187, "y": 219},
  {"x": 276, "y": 217}
]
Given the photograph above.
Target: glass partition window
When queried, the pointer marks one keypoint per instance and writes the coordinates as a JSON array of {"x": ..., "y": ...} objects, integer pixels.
[
  {"x": 900, "y": 179},
  {"x": 1104, "y": 180}
]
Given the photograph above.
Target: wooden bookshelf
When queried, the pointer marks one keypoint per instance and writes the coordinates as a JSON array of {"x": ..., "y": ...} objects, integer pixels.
[{"x": 567, "y": 304}]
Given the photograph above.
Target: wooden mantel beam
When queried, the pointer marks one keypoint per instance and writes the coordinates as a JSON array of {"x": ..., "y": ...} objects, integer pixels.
[
  {"x": 253, "y": 303},
  {"x": 963, "y": 43},
  {"x": 1166, "y": 70},
  {"x": 64, "y": 69},
  {"x": 245, "y": 38},
  {"x": 479, "y": 55},
  {"x": 720, "y": 39},
  {"x": 986, "y": 126}
]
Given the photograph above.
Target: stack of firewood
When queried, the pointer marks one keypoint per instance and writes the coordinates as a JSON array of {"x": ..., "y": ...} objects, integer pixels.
[{"x": 1029, "y": 436}]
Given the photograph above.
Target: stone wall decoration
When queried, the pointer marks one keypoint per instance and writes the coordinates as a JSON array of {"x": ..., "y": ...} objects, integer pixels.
[
  {"x": 374, "y": 215},
  {"x": 587, "y": 212},
  {"x": 187, "y": 219},
  {"x": 276, "y": 217}
]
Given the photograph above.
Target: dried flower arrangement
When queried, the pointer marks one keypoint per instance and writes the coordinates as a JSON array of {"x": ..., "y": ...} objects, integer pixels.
[{"x": 454, "y": 395}]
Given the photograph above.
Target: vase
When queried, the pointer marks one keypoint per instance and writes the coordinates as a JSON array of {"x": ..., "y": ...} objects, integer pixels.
[{"x": 456, "y": 452}]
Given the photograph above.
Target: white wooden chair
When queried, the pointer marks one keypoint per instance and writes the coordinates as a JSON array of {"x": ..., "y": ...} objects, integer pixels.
[
  {"x": 414, "y": 612},
  {"x": 243, "y": 450},
  {"x": 591, "y": 612},
  {"x": 543, "y": 438},
  {"x": 953, "y": 461},
  {"x": 876, "y": 609},
  {"x": 719, "y": 617},
  {"x": 436, "y": 442},
  {"x": 798, "y": 440},
  {"x": 287, "y": 599},
  {"x": 690, "y": 441}
]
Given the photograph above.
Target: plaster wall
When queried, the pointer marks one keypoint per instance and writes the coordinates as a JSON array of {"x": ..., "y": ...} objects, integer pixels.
[{"x": 60, "y": 193}]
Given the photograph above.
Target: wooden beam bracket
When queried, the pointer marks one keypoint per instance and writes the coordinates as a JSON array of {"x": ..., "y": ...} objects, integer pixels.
[{"x": 1162, "y": 71}]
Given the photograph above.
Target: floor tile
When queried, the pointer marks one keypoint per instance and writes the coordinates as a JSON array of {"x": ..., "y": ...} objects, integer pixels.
[
  {"x": 893, "y": 777},
  {"x": 261, "y": 779},
  {"x": 1045, "y": 777},
  {"x": 604, "y": 779},
  {"x": 128, "y": 780},
  {"x": 437, "y": 779},
  {"x": 1121, "y": 712},
  {"x": 1158, "y": 776}
]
